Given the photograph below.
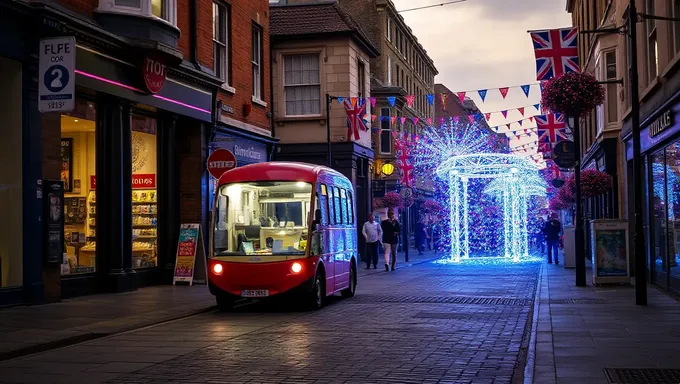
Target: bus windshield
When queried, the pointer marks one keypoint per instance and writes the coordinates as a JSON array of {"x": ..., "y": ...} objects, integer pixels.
[{"x": 262, "y": 218}]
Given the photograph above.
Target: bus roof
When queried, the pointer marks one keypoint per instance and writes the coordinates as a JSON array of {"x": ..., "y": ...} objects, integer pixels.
[{"x": 276, "y": 171}]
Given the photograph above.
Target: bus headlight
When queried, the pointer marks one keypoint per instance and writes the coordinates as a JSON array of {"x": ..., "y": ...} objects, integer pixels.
[
  {"x": 296, "y": 267},
  {"x": 217, "y": 269}
]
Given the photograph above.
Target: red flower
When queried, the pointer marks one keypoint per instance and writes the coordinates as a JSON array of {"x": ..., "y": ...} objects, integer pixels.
[
  {"x": 392, "y": 200},
  {"x": 574, "y": 94}
]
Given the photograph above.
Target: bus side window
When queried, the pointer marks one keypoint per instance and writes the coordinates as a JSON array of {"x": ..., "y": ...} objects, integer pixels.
[
  {"x": 332, "y": 219},
  {"x": 350, "y": 207},
  {"x": 322, "y": 204},
  {"x": 336, "y": 203},
  {"x": 343, "y": 205}
]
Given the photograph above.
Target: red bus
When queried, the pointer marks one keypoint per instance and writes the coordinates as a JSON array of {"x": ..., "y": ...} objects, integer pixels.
[{"x": 283, "y": 228}]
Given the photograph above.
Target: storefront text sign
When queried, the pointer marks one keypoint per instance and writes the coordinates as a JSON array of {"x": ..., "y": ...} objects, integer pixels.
[
  {"x": 190, "y": 265},
  {"x": 56, "y": 84},
  {"x": 139, "y": 181},
  {"x": 220, "y": 161},
  {"x": 661, "y": 123},
  {"x": 154, "y": 72},
  {"x": 246, "y": 152}
]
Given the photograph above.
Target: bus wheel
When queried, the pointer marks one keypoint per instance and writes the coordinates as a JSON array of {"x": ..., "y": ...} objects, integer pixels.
[
  {"x": 349, "y": 291},
  {"x": 318, "y": 293},
  {"x": 224, "y": 303}
]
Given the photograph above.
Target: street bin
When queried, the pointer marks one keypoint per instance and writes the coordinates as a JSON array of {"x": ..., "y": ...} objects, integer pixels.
[{"x": 569, "y": 246}]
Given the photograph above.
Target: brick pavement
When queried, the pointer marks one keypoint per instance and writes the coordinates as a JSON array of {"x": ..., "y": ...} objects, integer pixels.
[
  {"x": 583, "y": 330},
  {"x": 425, "y": 324}
]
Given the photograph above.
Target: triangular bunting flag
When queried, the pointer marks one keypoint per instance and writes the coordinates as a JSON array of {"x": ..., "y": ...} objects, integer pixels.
[
  {"x": 395, "y": 134},
  {"x": 402, "y": 120},
  {"x": 521, "y": 110},
  {"x": 341, "y": 100},
  {"x": 409, "y": 100},
  {"x": 429, "y": 121},
  {"x": 531, "y": 118},
  {"x": 415, "y": 120},
  {"x": 505, "y": 114},
  {"x": 471, "y": 118},
  {"x": 526, "y": 89},
  {"x": 456, "y": 119},
  {"x": 520, "y": 123},
  {"x": 504, "y": 91},
  {"x": 461, "y": 96},
  {"x": 373, "y": 118},
  {"x": 393, "y": 119},
  {"x": 391, "y": 100},
  {"x": 430, "y": 98},
  {"x": 487, "y": 116},
  {"x": 354, "y": 101},
  {"x": 538, "y": 107},
  {"x": 482, "y": 94},
  {"x": 373, "y": 101}
]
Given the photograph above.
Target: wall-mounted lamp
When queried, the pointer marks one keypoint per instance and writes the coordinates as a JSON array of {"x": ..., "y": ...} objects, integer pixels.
[{"x": 387, "y": 169}]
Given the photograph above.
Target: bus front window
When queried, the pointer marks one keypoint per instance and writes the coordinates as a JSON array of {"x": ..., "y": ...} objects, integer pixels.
[{"x": 262, "y": 218}]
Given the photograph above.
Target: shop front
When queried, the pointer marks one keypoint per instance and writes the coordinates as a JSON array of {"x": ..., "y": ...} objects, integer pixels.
[{"x": 660, "y": 148}]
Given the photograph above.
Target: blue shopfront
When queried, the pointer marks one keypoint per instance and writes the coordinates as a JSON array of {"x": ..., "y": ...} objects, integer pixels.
[{"x": 660, "y": 148}]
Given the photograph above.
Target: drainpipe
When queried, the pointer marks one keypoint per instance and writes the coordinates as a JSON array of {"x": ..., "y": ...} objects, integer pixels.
[
  {"x": 193, "y": 33},
  {"x": 271, "y": 91}
]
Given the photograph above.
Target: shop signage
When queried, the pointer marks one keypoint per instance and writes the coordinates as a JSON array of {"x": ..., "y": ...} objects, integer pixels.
[
  {"x": 190, "y": 265},
  {"x": 661, "y": 123},
  {"x": 227, "y": 108},
  {"x": 246, "y": 152},
  {"x": 53, "y": 213},
  {"x": 220, "y": 161},
  {"x": 609, "y": 247},
  {"x": 154, "y": 72},
  {"x": 564, "y": 154},
  {"x": 56, "y": 68},
  {"x": 139, "y": 181}
]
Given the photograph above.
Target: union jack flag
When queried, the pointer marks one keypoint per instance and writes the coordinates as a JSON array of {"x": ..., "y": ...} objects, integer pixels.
[
  {"x": 556, "y": 52},
  {"x": 551, "y": 127},
  {"x": 356, "y": 117}
]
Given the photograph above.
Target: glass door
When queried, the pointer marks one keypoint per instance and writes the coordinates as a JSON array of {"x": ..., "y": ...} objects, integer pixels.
[
  {"x": 659, "y": 244},
  {"x": 673, "y": 203}
]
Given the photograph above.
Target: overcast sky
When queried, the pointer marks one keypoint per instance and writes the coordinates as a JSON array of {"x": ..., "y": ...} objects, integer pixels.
[{"x": 482, "y": 44}]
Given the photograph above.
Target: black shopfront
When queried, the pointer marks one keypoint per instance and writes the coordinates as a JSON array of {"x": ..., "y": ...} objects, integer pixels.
[
  {"x": 118, "y": 154},
  {"x": 660, "y": 147}
]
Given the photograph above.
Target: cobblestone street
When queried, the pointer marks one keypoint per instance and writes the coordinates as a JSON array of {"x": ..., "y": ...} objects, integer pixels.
[{"x": 429, "y": 323}]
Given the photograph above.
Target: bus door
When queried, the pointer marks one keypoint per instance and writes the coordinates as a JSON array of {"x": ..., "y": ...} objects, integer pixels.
[{"x": 325, "y": 204}]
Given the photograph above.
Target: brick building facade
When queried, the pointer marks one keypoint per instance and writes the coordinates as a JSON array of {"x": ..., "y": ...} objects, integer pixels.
[{"x": 157, "y": 87}]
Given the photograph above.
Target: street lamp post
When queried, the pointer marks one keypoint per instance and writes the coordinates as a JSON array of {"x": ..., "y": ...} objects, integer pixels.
[{"x": 579, "y": 240}]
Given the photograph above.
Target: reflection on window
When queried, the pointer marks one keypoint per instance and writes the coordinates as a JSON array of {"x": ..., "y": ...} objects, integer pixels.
[
  {"x": 262, "y": 218},
  {"x": 673, "y": 197},
  {"x": 659, "y": 209}
]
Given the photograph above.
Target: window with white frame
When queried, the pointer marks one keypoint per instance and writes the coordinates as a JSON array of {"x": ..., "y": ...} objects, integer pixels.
[
  {"x": 160, "y": 9},
  {"x": 389, "y": 29},
  {"x": 389, "y": 70},
  {"x": 257, "y": 62},
  {"x": 221, "y": 40},
  {"x": 301, "y": 84},
  {"x": 385, "y": 131},
  {"x": 612, "y": 88},
  {"x": 652, "y": 45}
]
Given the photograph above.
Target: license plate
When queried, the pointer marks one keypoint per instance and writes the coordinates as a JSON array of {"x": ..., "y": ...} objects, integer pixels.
[{"x": 255, "y": 293}]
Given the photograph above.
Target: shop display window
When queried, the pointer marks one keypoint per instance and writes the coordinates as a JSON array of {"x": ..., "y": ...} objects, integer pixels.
[
  {"x": 144, "y": 192},
  {"x": 78, "y": 172},
  {"x": 11, "y": 206},
  {"x": 262, "y": 218}
]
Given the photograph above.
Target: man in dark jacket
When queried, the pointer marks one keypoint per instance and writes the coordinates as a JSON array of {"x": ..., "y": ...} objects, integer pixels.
[
  {"x": 390, "y": 230},
  {"x": 552, "y": 230}
]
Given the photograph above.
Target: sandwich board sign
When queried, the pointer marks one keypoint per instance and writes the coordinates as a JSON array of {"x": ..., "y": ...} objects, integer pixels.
[
  {"x": 190, "y": 263},
  {"x": 56, "y": 71}
]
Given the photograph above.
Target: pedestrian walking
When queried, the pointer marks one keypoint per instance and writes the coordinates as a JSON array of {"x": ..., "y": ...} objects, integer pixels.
[
  {"x": 391, "y": 230},
  {"x": 421, "y": 235},
  {"x": 373, "y": 234},
  {"x": 551, "y": 230},
  {"x": 539, "y": 237}
]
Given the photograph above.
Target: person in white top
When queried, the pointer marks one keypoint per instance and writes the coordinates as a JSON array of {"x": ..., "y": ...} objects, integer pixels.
[{"x": 372, "y": 232}]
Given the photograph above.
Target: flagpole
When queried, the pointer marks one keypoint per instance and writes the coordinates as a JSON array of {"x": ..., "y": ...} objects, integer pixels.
[{"x": 329, "y": 99}]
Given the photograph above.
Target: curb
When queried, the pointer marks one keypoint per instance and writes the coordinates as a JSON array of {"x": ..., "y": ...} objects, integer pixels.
[
  {"x": 73, "y": 340},
  {"x": 530, "y": 363}
]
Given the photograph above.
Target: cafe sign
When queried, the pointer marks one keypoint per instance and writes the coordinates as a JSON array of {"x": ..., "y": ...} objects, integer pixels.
[{"x": 661, "y": 123}]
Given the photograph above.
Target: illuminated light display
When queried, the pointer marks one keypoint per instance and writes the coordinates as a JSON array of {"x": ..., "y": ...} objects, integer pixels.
[{"x": 461, "y": 156}]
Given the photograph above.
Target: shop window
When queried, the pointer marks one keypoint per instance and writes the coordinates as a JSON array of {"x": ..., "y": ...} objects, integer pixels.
[
  {"x": 144, "y": 192},
  {"x": 659, "y": 204},
  {"x": 161, "y": 9},
  {"x": 263, "y": 218},
  {"x": 78, "y": 172},
  {"x": 11, "y": 215},
  {"x": 673, "y": 203},
  {"x": 301, "y": 84}
]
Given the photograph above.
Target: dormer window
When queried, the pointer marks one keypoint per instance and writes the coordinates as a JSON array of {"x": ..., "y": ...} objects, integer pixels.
[{"x": 155, "y": 9}]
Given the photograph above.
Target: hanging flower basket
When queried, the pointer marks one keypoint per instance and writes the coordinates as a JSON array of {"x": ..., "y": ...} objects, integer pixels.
[
  {"x": 392, "y": 200},
  {"x": 431, "y": 206},
  {"x": 593, "y": 183},
  {"x": 574, "y": 94},
  {"x": 563, "y": 199}
]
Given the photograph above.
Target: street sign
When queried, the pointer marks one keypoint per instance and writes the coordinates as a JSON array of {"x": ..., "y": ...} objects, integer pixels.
[
  {"x": 56, "y": 71},
  {"x": 406, "y": 192},
  {"x": 563, "y": 154},
  {"x": 220, "y": 161}
]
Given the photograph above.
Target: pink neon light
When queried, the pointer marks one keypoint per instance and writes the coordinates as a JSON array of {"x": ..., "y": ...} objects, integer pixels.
[{"x": 105, "y": 80}]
